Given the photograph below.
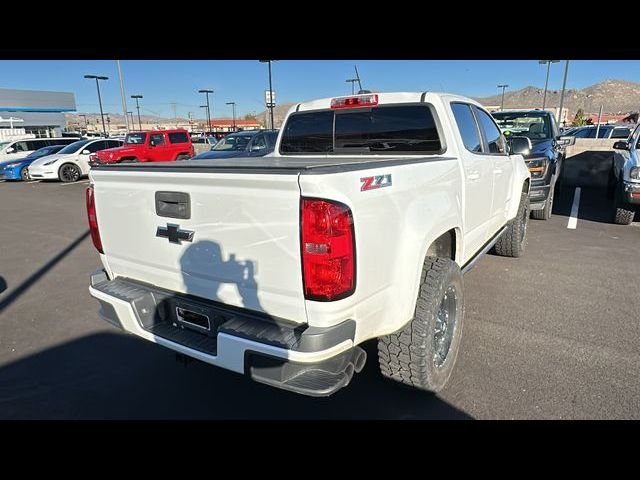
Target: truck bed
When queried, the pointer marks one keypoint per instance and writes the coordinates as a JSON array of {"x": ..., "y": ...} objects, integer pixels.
[{"x": 282, "y": 165}]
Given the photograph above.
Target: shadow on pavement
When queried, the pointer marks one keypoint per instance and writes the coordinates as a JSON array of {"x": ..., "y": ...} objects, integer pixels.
[
  {"x": 595, "y": 205},
  {"x": 3, "y": 284},
  {"x": 114, "y": 376},
  {"x": 38, "y": 274}
]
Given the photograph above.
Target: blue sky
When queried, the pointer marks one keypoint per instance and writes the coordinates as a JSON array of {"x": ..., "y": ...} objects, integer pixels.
[{"x": 243, "y": 81}]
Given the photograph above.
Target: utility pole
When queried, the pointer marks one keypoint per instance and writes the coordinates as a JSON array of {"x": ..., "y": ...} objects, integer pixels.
[
  {"x": 124, "y": 101},
  {"x": 502, "y": 86},
  {"x": 546, "y": 83},
  {"x": 352, "y": 81},
  {"x": 137, "y": 97},
  {"x": 233, "y": 105},
  {"x": 133, "y": 125},
  {"x": 564, "y": 85},
  {"x": 175, "y": 116},
  {"x": 358, "y": 78},
  {"x": 96, "y": 78},
  {"x": 206, "y": 107}
]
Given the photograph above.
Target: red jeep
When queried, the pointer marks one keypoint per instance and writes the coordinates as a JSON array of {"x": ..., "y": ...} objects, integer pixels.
[{"x": 150, "y": 146}]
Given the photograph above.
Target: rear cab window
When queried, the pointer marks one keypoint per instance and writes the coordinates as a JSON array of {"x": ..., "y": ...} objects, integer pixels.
[{"x": 386, "y": 130}]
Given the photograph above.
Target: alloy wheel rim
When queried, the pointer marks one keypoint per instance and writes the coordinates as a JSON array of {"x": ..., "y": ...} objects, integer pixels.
[
  {"x": 69, "y": 173},
  {"x": 445, "y": 326}
]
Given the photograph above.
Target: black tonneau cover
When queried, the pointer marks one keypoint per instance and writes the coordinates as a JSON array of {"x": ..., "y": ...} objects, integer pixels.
[{"x": 276, "y": 165}]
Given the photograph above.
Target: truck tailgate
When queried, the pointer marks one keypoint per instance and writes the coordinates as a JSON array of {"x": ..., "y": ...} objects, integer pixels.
[{"x": 245, "y": 249}]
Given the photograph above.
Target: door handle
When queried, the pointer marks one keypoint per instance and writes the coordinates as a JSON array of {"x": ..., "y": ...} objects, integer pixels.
[{"x": 473, "y": 176}]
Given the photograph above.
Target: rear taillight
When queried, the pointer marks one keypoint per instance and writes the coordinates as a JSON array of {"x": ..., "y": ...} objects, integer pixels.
[
  {"x": 351, "y": 102},
  {"x": 93, "y": 219},
  {"x": 328, "y": 250}
]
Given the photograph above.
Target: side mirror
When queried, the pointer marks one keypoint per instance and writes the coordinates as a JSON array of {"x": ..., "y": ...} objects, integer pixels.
[
  {"x": 10, "y": 150},
  {"x": 623, "y": 145},
  {"x": 565, "y": 141},
  {"x": 519, "y": 145},
  {"x": 85, "y": 152},
  {"x": 256, "y": 148},
  {"x": 152, "y": 143}
]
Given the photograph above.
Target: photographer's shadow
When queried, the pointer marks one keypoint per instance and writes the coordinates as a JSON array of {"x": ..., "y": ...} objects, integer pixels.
[{"x": 204, "y": 272}]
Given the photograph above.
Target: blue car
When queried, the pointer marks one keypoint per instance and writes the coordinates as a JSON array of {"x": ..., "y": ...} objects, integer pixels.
[
  {"x": 17, "y": 169},
  {"x": 249, "y": 143}
]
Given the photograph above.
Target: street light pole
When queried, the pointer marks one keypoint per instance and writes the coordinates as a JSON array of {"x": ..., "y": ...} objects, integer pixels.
[
  {"x": 206, "y": 107},
  {"x": 564, "y": 85},
  {"x": 233, "y": 105},
  {"x": 99, "y": 77},
  {"x": 352, "y": 81},
  {"x": 207, "y": 92},
  {"x": 546, "y": 83},
  {"x": 502, "y": 86},
  {"x": 271, "y": 103},
  {"x": 138, "y": 108},
  {"x": 122, "y": 95},
  {"x": 131, "y": 120}
]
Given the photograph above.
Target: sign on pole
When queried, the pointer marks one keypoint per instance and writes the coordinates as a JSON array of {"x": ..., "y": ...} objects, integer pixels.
[{"x": 270, "y": 98}]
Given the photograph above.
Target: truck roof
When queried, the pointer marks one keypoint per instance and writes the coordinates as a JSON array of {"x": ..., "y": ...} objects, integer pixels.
[{"x": 383, "y": 98}]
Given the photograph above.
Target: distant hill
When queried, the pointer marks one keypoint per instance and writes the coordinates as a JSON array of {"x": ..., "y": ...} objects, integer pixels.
[
  {"x": 279, "y": 112},
  {"x": 616, "y": 97}
]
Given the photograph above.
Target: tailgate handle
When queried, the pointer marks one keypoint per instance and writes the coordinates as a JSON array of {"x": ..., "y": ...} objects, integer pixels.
[{"x": 173, "y": 205}]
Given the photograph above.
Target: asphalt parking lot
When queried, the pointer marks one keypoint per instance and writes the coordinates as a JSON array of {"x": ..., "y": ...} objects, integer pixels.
[{"x": 552, "y": 335}]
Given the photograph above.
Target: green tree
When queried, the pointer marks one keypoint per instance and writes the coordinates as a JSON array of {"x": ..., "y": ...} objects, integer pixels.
[{"x": 579, "y": 118}]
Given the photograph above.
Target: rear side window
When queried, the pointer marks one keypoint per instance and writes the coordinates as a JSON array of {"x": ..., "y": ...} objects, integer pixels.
[
  {"x": 308, "y": 133},
  {"x": 178, "y": 137},
  {"x": 36, "y": 144},
  {"x": 95, "y": 146},
  {"x": 390, "y": 129},
  {"x": 467, "y": 126},
  {"x": 492, "y": 133}
]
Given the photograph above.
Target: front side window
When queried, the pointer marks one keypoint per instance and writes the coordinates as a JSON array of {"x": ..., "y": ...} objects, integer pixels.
[
  {"x": 259, "y": 142},
  {"x": 621, "y": 133},
  {"x": 492, "y": 134},
  {"x": 157, "y": 139},
  {"x": 467, "y": 127},
  {"x": 20, "y": 147},
  {"x": 36, "y": 144},
  {"x": 387, "y": 129}
]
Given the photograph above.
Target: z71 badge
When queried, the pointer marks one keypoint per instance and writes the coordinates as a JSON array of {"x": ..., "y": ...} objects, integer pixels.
[{"x": 371, "y": 183}]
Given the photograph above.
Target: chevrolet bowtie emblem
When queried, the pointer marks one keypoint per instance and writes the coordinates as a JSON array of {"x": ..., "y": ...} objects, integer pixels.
[{"x": 175, "y": 234}]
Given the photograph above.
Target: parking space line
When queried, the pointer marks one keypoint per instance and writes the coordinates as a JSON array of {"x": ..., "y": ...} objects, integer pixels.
[
  {"x": 34, "y": 181},
  {"x": 74, "y": 183},
  {"x": 573, "y": 219}
]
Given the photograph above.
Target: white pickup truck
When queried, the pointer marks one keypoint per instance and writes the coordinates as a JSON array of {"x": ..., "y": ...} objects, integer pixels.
[{"x": 359, "y": 227}]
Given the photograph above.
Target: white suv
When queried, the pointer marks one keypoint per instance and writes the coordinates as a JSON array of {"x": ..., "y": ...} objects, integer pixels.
[{"x": 70, "y": 163}]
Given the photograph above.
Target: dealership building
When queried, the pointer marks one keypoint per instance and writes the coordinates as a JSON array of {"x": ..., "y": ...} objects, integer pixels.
[{"x": 37, "y": 112}]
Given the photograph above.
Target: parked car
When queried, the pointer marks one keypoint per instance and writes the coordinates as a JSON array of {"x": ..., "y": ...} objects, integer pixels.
[
  {"x": 12, "y": 149},
  {"x": 70, "y": 163},
  {"x": 606, "y": 131},
  {"x": 543, "y": 151},
  {"x": 250, "y": 143},
  {"x": 149, "y": 146},
  {"x": 624, "y": 183},
  {"x": 18, "y": 169},
  {"x": 204, "y": 140},
  {"x": 359, "y": 227}
]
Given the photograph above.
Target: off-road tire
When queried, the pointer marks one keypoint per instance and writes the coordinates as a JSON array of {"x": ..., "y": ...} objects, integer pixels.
[
  {"x": 409, "y": 356},
  {"x": 182, "y": 157},
  {"x": 512, "y": 242}
]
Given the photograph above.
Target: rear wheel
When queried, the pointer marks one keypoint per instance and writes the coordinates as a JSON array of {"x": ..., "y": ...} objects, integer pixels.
[
  {"x": 423, "y": 353},
  {"x": 24, "y": 174},
  {"x": 69, "y": 173},
  {"x": 512, "y": 242},
  {"x": 130, "y": 160},
  {"x": 182, "y": 157}
]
